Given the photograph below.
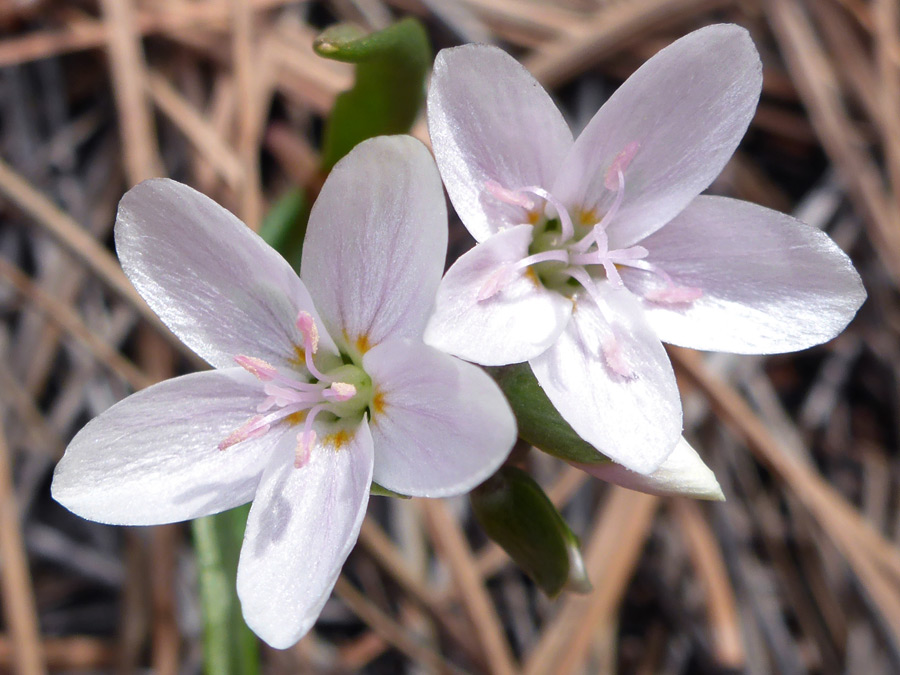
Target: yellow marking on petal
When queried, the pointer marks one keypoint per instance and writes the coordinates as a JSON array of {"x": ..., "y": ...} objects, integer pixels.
[
  {"x": 378, "y": 403},
  {"x": 296, "y": 418},
  {"x": 362, "y": 344},
  {"x": 533, "y": 217},
  {"x": 587, "y": 217},
  {"x": 530, "y": 274},
  {"x": 337, "y": 440},
  {"x": 299, "y": 358}
]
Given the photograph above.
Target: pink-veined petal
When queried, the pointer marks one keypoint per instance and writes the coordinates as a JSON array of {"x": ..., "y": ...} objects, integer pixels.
[
  {"x": 770, "y": 283},
  {"x": 302, "y": 526},
  {"x": 440, "y": 426},
  {"x": 209, "y": 277},
  {"x": 376, "y": 243},
  {"x": 682, "y": 474},
  {"x": 609, "y": 376},
  {"x": 490, "y": 120},
  {"x": 686, "y": 109},
  {"x": 521, "y": 320},
  {"x": 153, "y": 458}
]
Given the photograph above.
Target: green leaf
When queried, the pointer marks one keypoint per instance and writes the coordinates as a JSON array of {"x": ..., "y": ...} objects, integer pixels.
[
  {"x": 539, "y": 422},
  {"x": 284, "y": 227},
  {"x": 229, "y": 647},
  {"x": 389, "y": 88},
  {"x": 514, "y": 511}
]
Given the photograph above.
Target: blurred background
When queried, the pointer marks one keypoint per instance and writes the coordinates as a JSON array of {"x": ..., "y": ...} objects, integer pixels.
[{"x": 797, "y": 572}]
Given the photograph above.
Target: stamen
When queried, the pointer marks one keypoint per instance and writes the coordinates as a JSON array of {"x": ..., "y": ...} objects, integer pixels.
[
  {"x": 565, "y": 220},
  {"x": 612, "y": 350},
  {"x": 673, "y": 293},
  {"x": 496, "y": 282},
  {"x": 261, "y": 369},
  {"x": 504, "y": 275},
  {"x": 619, "y": 164},
  {"x": 305, "y": 442},
  {"x": 255, "y": 427},
  {"x": 307, "y": 327},
  {"x": 624, "y": 255},
  {"x": 580, "y": 275},
  {"x": 507, "y": 196},
  {"x": 615, "y": 358},
  {"x": 557, "y": 255},
  {"x": 617, "y": 202},
  {"x": 600, "y": 228},
  {"x": 339, "y": 391},
  {"x": 306, "y": 438},
  {"x": 287, "y": 394},
  {"x": 268, "y": 403}
]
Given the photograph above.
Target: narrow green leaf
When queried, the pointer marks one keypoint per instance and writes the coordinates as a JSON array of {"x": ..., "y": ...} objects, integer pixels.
[
  {"x": 391, "y": 66},
  {"x": 539, "y": 422},
  {"x": 514, "y": 511},
  {"x": 229, "y": 647},
  {"x": 284, "y": 227}
]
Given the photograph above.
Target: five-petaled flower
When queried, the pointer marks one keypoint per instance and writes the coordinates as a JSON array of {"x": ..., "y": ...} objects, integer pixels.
[
  {"x": 593, "y": 251},
  {"x": 320, "y": 386}
]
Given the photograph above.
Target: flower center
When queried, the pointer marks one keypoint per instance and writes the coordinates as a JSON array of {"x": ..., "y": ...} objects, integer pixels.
[
  {"x": 292, "y": 397},
  {"x": 567, "y": 255}
]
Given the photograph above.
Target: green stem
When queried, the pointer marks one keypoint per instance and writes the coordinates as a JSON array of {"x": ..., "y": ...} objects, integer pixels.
[{"x": 230, "y": 648}]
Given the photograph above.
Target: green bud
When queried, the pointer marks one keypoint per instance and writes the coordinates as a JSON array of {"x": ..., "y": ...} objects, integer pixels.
[{"x": 514, "y": 512}]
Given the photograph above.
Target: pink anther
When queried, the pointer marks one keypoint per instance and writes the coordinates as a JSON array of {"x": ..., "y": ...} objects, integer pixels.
[
  {"x": 307, "y": 327},
  {"x": 261, "y": 369},
  {"x": 495, "y": 283},
  {"x": 620, "y": 164},
  {"x": 255, "y": 427},
  {"x": 339, "y": 391},
  {"x": 305, "y": 442},
  {"x": 615, "y": 358},
  {"x": 507, "y": 196}
]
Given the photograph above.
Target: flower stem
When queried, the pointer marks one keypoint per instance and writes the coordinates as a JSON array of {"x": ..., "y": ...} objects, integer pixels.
[{"x": 229, "y": 647}]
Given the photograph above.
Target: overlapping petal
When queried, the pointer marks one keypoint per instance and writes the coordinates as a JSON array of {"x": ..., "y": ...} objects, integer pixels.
[
  {"x": 153, "y": 457},
  {"x": 377, "y": 238},
  {"x": 770, "y": 282},
  {"x": 440, "y": 426},
  {"x": 516, "y": 324},
  {"x": 686, "y": 109},
  {"x": 220, "y": 288},
  {"x": 610, "y": 378},
  {"x": 490, "y": 120},
  {"x": 302, "y": 526},
  {"x": 682, "y": 474}
]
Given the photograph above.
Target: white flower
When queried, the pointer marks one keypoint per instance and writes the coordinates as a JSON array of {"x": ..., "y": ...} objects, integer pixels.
[
  {"x": 593, "y": 251},
  {"x": 316, "y": 392}
]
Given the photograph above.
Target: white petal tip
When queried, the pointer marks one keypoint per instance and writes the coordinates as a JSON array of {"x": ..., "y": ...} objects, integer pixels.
[
  {"x": 276, "y": 638},
  {"x": 683, "y": 474}
]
